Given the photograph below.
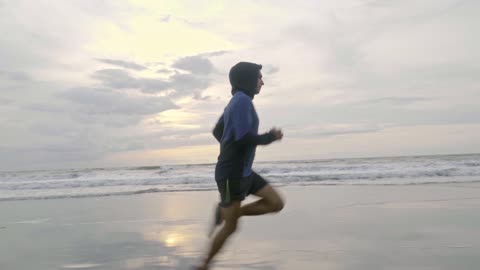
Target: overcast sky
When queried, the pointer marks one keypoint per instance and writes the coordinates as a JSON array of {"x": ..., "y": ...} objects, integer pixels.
[{"x": 128, "y": 83}]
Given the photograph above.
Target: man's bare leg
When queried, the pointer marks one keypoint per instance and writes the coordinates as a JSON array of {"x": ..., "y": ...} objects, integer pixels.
[
  {"x": 230, "y": 215},
  {"x": 269, "y": 202}
]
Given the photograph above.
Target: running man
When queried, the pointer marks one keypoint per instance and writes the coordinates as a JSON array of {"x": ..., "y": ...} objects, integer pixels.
[{"x": 237, "y": 133}]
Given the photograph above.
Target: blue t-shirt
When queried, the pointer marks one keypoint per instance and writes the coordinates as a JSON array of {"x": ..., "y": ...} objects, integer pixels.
[{"x": 239, "y": 118}]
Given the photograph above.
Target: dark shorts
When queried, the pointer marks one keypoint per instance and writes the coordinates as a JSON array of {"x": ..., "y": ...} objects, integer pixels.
[{"x": 237, "y": 189}]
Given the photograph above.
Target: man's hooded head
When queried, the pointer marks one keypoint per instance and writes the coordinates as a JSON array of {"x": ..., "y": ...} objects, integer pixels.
[{"x": 244, "y": 77}]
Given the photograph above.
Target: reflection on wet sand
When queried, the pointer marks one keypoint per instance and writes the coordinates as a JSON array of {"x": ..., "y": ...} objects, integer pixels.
[
  {"x": 169, "y": 237},
  {"x": 142, "y": 262}
]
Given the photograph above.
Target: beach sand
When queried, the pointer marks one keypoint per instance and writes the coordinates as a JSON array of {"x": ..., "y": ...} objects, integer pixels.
[{"x": 322, "y": 227}]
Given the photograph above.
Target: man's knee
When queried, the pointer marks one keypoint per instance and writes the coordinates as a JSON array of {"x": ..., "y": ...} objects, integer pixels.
[{"x": 278, "y": 205}]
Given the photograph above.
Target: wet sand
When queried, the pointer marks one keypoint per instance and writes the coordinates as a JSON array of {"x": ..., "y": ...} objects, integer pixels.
[{"x": 322, "y": 227}]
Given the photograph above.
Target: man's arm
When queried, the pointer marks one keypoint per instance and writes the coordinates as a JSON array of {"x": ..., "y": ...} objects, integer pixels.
[
  {"x": 218, "y": 130},
  {"x": 253, "y": 139},
  {"x": 243, "y": 120},
  {"x": 267, "y": 138}
]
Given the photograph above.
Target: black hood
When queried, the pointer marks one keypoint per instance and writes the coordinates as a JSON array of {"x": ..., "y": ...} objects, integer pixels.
[{"x": 244, "y": 77}]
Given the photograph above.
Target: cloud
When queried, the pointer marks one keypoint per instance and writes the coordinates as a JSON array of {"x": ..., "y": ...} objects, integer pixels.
[
  {"x": 393, "y": 101},
  {"x": 5, "y": 101},
  {"x": 121, "y": 79},
  {"x": 269, "y": 69},
  {"x": 15, "y": 76},
  {"x": 116, "y": 78},
  {"x": 121, "y": 63},
  {"x": 327, "y": 130},
  {"x": 213, "y": 54},
  {"x": 365, "y": 52},
  {"x": 199, "y": 96},
  {"x": 37, "y": 41},
  {"x": 164, "y": 71},
  {"x": 41, "y": 157},
  {"x": 186, "y": 84},
  {"x": 45, "y": 107},
  {"x": 195, "y": 64},
  {"x": 99, "y": 134},
  {"x": 104, "y": 101},
  {"x": 183, "y": 84},
  {"x": 100, "y": 107},
  {"x": 152, "y": 86},
  {"x": 165, "y": 19}
]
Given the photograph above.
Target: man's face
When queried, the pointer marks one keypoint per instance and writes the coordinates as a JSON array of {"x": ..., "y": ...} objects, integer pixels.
[{"x": 259, "y": 82}]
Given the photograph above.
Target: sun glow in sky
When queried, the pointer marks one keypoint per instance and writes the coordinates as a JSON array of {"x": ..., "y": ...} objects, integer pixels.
[
  {"x": 127, "y": 83},
  {"x": 144, "y": 38}
]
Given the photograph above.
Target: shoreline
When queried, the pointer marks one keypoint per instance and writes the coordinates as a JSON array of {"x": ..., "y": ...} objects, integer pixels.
[{"x": 468, "y": 181}]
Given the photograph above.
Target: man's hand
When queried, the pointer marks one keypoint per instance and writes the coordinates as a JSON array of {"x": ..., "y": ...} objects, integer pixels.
[{"x": 277, "y": 133}]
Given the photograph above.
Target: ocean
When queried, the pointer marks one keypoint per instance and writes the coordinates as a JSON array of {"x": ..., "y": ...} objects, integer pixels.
[{"x": 76, "y": 183}]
